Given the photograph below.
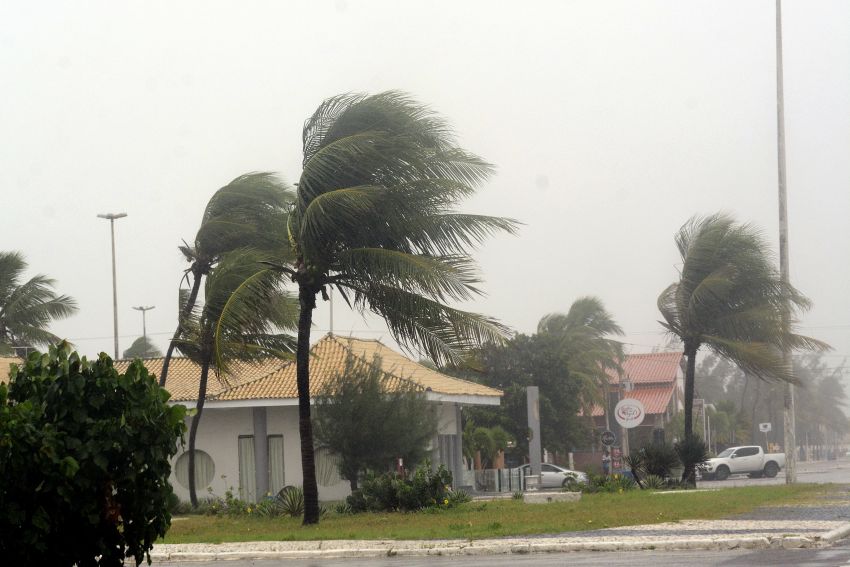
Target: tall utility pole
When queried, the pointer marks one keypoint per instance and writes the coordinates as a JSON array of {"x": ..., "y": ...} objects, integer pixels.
[
  {"x": 789, "y": 417},
  {"x": 111, "y": 218},
  {"x": 144, "y": 311}
]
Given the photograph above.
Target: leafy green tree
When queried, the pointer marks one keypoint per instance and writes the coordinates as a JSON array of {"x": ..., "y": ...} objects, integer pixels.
[
  {"x": 249, "y": 212},
  {"x": 584, "y": 333},
  {"x": 484, "y": 443},
  {"x": 84, "y": 461},
  {"x": 536, "y": 360},
  {"x": 142, "y": 348},
  {"x": 375, "y": 217},
  {"x": 28, "y": 307},
  {"x": 730, "y": 298},
  {"x": 243, "y": 317},
  {"x": 369, "y": 418}
]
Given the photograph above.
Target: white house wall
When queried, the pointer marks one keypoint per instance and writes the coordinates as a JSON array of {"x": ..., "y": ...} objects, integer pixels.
[{"x": 218, "y": 435}]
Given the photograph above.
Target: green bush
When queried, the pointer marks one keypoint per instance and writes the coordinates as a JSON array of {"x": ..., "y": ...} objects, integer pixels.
[
  {"x": 84, "y": 461},
  {"x": 612, "y": 483},
  {"x": 654, "y": 482},
  {"x": 659, "y": 459},
  {"x": 391, "y": 491}
]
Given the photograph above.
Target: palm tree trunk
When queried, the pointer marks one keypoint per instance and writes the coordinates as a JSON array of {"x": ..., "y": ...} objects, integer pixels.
[
  {"x": 307, "y": 300},
  {"x": 193, "y": 431},
  {"x": 689, "y": 474},
  {"x": 184, "y": 313}
]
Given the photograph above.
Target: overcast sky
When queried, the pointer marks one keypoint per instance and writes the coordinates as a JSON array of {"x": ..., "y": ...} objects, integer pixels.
[{"x": 610, "y": 123}]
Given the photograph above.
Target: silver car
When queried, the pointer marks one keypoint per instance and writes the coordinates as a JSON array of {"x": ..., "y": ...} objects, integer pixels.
[{"x": 553, "y": 476}]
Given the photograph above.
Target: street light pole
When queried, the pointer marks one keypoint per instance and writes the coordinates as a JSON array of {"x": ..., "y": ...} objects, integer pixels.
[
  {"x": 144, "y": 310},
  {"x": 111, "y": 218},
  {"x": 789, "y": 416}
]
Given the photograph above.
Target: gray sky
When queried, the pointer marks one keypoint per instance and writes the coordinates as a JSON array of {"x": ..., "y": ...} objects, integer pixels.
[{"x": 610, "y": 123}]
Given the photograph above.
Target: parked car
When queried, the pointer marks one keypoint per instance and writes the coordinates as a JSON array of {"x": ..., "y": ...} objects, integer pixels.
[
  {"x": 553, "y": 476},
  {"x": 750, "y": 459}
]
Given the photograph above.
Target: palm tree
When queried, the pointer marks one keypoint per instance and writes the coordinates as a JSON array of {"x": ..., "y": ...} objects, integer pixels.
[
  {"x": 584, "y": 332},
  {"x": 730, "y": 298},
  {"x": 250, "y": 212},
  {"x": 375, "y": 218},
  {"x": 27, "y": 308},
  {"x": 244, "y": 311}
]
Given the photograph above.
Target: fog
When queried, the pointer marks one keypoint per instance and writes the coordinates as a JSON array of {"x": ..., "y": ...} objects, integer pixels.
[{"x": 610, "y": 123}]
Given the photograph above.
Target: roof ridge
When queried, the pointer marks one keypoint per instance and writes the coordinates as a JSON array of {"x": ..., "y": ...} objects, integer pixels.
[{"x": 249, "y": 382}]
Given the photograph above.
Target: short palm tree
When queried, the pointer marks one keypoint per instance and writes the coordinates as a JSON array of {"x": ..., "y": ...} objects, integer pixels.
[
  {"x": 244, "y": 317},
  {"x": 730, "y": 298},
  {"x": 248, "y": 212},
  {"x": 375, "y": 217},
  {"x": 584, "y": 332},
  {"x": 27, "y": 308}
]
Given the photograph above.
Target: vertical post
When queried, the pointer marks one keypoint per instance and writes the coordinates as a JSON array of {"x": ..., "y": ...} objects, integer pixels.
[
  {"x": 261, "y": 453},
  {"x": 784, "y": 270},
  {"x": 457, "y": 473},
  {"x": 114, "y": 293},
  {"x": 534, "y": 445}
]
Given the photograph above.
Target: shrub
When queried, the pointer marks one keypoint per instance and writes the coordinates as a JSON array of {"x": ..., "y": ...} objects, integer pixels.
[
  {"x": 611, "y": 483},
  {"x": 659, "y": 459},
  {"x": 693, "y": 452},
  {"x": 654, "y": 481},
  {"x": 84, "y": 461},
  {"x": 391, "y": 491},
  {"x": 290, "y": 501}
]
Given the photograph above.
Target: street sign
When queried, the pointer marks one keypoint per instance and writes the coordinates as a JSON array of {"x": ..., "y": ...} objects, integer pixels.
[
  {"x": 629, "y": 413},
  {"x": 765, "y": 427},
  {"x": 608, "y": 438}
]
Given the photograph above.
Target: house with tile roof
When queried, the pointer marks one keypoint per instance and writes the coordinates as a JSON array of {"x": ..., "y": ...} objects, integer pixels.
[
  {"x": 248, "y": 437},
  {"x": 657, "y": 381}
]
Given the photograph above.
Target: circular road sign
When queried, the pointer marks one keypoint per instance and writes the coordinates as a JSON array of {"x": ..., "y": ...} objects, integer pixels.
[
  {"x": 608, "y": 438},
  {"x": 629, "y": 413}
]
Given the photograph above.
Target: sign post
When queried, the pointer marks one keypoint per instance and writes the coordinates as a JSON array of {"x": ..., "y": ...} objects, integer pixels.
[{"x": 766, "y": 428}]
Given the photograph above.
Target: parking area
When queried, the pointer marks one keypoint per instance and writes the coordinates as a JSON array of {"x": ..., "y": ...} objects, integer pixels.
[{"x": 815, "y": 472}]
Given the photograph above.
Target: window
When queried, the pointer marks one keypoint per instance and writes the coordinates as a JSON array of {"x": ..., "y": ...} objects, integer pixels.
[
  {"x": 204, "y": 470},
  {"x": 247, "y": 469},
  {"x": 548, "y": 468},
  {"x": 277, "y": 475},
  {"x": 327, "y": 468},
  {"x": 746, "y": 452}
]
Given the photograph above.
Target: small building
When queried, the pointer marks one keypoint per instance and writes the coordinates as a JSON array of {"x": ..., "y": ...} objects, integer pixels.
[
  {"x": 657, "y": 381},
  {"x": 248, "y": 437}
]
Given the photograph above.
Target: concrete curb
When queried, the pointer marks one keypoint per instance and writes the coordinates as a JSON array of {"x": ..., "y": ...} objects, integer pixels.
[{"x": 367, "y": 549}]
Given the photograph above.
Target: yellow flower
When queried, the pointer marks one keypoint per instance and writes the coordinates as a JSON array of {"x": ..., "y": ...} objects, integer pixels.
[
  {"x": 446, "y": 501},
  {"x": 249, "y": 509}
]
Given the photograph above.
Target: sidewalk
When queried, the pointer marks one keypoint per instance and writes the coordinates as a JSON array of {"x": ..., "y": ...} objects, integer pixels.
[{"x": 818, "y": 525}]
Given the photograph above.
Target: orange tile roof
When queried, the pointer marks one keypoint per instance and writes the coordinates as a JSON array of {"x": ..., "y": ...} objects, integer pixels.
[
  {"x": 655, "y": 367},
  {"x": 654, "y": 400},
  {"x": 5, "y": 366},
  {"x": 276, "y": 379},
  {"x": 183, "y": 376},
  {"x": 328, "y": 359}
]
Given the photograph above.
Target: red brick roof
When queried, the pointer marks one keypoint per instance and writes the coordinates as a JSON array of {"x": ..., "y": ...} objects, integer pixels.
[{"x": 651, "y": 368}]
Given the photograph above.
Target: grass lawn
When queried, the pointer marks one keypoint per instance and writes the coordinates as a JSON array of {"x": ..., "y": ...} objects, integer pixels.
[{"x": 476, "y": 520}]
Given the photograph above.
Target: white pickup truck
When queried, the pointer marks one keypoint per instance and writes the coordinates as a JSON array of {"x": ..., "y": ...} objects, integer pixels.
[{"x": 750, "y": 459}]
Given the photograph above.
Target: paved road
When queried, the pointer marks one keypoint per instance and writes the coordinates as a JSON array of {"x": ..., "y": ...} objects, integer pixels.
[
  {"x": 832, "y": 557},
  {"x": 819, "y": 472}
]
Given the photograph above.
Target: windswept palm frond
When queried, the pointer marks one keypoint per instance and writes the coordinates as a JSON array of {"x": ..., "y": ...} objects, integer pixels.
[
  {"x": 28, "y": 308},
  {"x": 441, "y": 277},
  {"x": 443, "y": 332}
]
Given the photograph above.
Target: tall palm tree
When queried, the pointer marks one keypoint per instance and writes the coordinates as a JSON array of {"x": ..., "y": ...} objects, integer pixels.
[
  {"x": 730, "y": 298},
  {"x": 244, "y": 312},
  {"x": 585, "y": 332},
  {"x": 27, "y": 308},
  {"x": 375, "y": 218},
  {"x": 250, "y": 212}
]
